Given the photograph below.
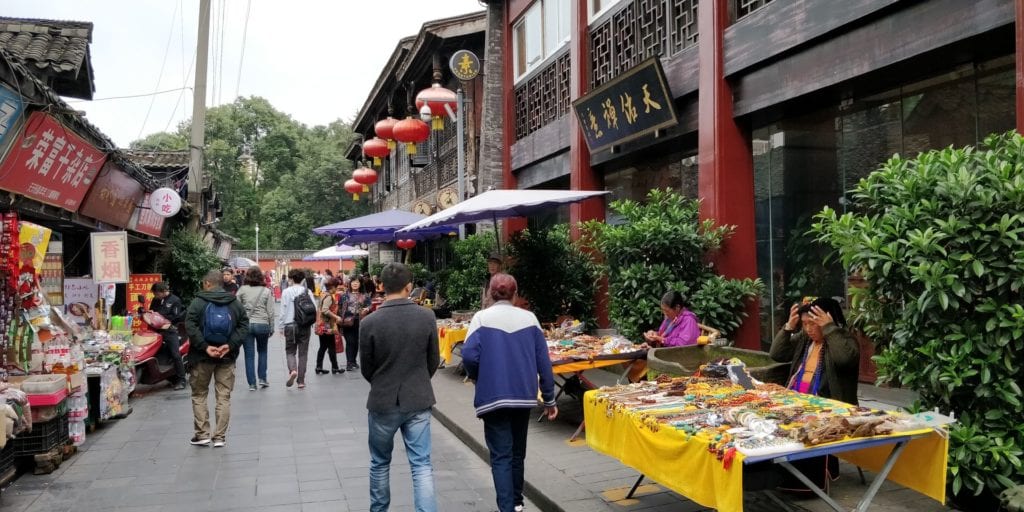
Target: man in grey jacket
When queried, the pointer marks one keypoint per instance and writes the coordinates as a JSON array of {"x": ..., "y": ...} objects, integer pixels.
[{"x": 398, "y": 354}]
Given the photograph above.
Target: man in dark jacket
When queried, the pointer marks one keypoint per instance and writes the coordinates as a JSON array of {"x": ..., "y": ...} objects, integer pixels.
[
  {"x": 398, "y": 354},
  {"x": 214, "y": 359},
  {"x": 169, "y": 306}
]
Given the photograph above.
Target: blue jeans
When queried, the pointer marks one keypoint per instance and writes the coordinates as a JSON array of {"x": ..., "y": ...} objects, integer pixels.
[
  {"x": 505, "y": 433},
  {"x": 256, "y": 343},
  {"x": 415, "y": 428}
]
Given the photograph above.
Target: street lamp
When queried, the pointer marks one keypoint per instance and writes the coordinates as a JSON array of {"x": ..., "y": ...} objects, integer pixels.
[{"x": 257, "y": 244}]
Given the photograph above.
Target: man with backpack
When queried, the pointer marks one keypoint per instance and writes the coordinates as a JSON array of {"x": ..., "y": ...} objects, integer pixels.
[
  {"x": 217, "y": 324},
  {"x": 297, "y": 316}
]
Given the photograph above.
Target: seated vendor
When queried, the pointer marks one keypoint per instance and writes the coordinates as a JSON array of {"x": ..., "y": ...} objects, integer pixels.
[
  {"x": 679, "y": 328},
  {"x": 825, "y": 357}
]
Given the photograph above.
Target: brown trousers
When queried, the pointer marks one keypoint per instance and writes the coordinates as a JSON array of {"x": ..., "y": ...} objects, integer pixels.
[{"x": 223, "y": 376}]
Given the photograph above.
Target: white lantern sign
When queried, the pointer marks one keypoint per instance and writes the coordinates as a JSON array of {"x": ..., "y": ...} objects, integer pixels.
[{"x": 165, "y": 202}]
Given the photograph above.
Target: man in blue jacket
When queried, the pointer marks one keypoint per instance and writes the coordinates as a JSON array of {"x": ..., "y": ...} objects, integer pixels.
[{"x": 505, "y": 352}]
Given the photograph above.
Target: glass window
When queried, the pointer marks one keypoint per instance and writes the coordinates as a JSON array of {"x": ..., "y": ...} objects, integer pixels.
[
  {"x": 556, "y": 25},
  {"x": 804, "y": 163},
  {"x": 529, "y": 40}
]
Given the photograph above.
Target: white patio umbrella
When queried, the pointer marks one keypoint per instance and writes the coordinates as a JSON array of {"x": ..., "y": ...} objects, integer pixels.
[
  {"x": 337, "y": 252},
  {"x": 500, "y": 204}
]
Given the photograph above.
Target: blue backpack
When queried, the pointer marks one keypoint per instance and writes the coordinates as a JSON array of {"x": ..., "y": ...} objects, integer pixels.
[{"x": 217, "y": 323}]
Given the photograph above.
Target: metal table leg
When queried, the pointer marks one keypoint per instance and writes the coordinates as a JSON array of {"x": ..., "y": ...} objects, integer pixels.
[
  {"x": 810, "y": 485},
  {"x": 635, "y": 486},
  {"x": 561, "y": 389},
  {"x": 579, "y": 430},
  {"x": 865, "y": 501}
]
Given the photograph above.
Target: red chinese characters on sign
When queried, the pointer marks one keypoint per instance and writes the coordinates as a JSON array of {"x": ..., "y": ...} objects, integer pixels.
[
  {"x": 139, "y": 288},
  {"x": 51, "y": 164},
  {"x": 145, "y": 220},
  {"x": 110, "y": 257}
]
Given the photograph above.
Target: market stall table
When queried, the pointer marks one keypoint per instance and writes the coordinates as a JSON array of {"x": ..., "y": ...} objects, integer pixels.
[
  {"x": 448, "y": 338},
  {"x": 641, "y": 438},
  {"x": 568, "y": 369}
]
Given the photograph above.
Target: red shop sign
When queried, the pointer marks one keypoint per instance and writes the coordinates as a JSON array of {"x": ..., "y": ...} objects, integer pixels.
[
  {"x": 113, "y": 197},
  {"x": 145, "y": 220},
  {"x": 51, "y": 164}
]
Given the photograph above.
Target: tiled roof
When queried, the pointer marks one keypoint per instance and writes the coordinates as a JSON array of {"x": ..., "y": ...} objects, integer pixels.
[
  {"x": 159, "y": 159},
  {"x": 52, "y": 49}
]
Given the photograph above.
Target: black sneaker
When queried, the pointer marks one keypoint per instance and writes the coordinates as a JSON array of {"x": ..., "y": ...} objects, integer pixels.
[
  {"x": 196, "y": 441},
  {"x": 352, "y": 367}
]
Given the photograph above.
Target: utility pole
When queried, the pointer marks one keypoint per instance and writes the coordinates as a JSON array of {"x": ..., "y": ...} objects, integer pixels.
[
  {"x": 195, "y": 164},
  {"x": 461, "y": 152}
]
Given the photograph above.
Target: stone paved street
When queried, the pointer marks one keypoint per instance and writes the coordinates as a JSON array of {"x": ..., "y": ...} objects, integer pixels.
[{"x": 288, "y": 450}]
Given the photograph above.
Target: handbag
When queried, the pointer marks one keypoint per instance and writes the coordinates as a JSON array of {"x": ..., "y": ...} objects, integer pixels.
[
  {"x": 323, "y": 326},
  {"x": 339, "y": 343}
]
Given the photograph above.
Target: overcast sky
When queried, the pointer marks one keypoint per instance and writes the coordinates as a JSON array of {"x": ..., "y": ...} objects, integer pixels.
[{"x": 313, "y": 59}]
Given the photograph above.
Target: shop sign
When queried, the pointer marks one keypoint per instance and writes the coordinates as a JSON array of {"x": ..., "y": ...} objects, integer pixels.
[
  {"x": 147, "y": 221},
  {"x": 634, "y": 104},
  {"x": 11, "y": 107},
  {"x": 165, "y": 202},
  {"x": 51, "y": 164},
  {"x": 139, "y": 288},
  {"x": 80, "y": 289},
  {"x": 110, "y": 256},
  {"x": 465, "y": 65},
  {"x": 113, "y": 197}
]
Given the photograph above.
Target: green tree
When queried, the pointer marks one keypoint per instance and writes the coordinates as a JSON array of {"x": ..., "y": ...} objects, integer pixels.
[
  {"x": 939, "y": 239},
  {"x": 186, "y": 263},
  {"x": 553, "y": 274},
  {"x": 662, "y": 245},
  {"x": 464, "y": 278}
]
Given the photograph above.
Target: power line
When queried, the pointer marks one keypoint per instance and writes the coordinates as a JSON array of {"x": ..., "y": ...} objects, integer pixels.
[
  {"x": 130, "y": 95},
  {"x": 241, "y": 59},
  {"x": 188, "y": 75},
  {"x": 220, "y": 60},
  {"x": 160, "y": 76},
  {"x": 213, "y": 53}
]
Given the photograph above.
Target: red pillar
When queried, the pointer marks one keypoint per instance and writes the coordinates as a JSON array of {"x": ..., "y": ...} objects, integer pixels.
[
  {"x": 1019, "y": 38},
  {"x": 582, "y": 175},
  {"x": 725, "y": 164}
]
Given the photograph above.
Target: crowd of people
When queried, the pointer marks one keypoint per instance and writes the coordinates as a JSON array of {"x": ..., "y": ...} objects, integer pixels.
[{"x": 379, "y": 326}]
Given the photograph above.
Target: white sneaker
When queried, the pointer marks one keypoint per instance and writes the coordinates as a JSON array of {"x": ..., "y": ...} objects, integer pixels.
[
  {"x": 520, "y": 508},
  {"x": 219, "y": 443}
]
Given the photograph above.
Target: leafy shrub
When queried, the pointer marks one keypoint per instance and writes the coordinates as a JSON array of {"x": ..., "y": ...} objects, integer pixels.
[
  {"x": 939, "y": 239},
  {"x": 553, "y": 274},
  {"x": 187, "y": 262},
  {"x": 662, "y": 246},
  {"x": 463, "y": 280}
]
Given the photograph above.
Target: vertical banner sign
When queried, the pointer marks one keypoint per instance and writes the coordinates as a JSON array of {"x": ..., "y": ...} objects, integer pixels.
[
  {"x": 139, "y": 288},
  {"x": 110, "y": 256},
  {"x": 145, "y": 220},
  {"x": 11, "y": 108},
  {"x": 51, "y": 164}
]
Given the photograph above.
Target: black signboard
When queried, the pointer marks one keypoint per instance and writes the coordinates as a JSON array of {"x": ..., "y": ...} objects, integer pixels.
[{"x": 630, "y": 106}]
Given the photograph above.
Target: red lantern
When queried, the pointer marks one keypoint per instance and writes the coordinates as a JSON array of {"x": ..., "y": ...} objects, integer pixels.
[
  {"x": 376, "y": 148},
  {"x": 354, "y": 188},
  {"x": 411, "y": 131},
  {"x": 406, "y": 244},
  {"x": 437, "y": 97},
  {"x": 365, "y": 177},
  {"x": 385, "y": 129}
]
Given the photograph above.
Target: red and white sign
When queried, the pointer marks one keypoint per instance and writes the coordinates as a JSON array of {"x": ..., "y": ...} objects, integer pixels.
[
  {"x": 51, "y": 164},
  {"x": 165, "y": 202},
  {"x": 110, "y": 256},
  {"x": 139, "y": 286},
  {"x": 145, "y": 220}
]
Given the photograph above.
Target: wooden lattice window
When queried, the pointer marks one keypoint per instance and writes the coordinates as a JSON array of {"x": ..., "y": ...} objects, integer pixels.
[
  {"x": 543, "y": 97},
  {"x": 745, "y": 7},
  {"x": 637, "y": 30}
]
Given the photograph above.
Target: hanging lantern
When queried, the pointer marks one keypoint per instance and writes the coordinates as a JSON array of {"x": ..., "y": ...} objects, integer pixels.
[
  {"x": 376, "y": 148},
  {"x": 436, "y": 98},
  {"x": 411, "y": 131},
  {"x": 385, "y": 129},
  {"x": 405, "y": 244},
  {"x": 354, "y": 188},
  {"x": 365, "y": 177}
]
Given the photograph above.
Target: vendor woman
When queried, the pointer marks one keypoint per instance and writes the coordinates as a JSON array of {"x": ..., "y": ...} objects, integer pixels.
[
  {"x": 679, "y": 328},
  {"x": 825, "y": 357}
]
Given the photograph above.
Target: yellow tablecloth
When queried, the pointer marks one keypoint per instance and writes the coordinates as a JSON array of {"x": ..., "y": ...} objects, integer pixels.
[
  {"x": 684, "y": 464},
  {"x": 590, "y": 364},
  {"x": 448, "y": 338}
]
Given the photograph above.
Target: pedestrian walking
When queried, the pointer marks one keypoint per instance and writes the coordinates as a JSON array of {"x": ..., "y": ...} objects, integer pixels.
[
  {"x": 216, "y": 324},
  {"x": 229, "y": 283},
  {"x": 353, "y": 307},
  {"x": 297, "y": 316},
  {"x": 327, "y": 328},
  {"x": 258, "y": 301},
  {"x": 169, "y": 306},
  {"x": 399, "y": 354},
  {"x": 505, "y": 353}
]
